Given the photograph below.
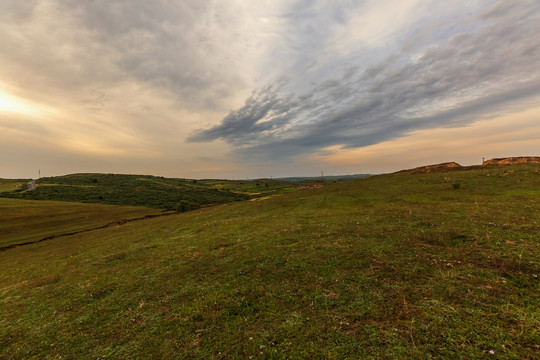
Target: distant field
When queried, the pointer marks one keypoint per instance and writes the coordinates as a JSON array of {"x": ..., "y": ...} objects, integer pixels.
[
  {"x": 11, "y": 185},
  {"x": 399, "y": 266},
  {"x": 24, "y": 221}
]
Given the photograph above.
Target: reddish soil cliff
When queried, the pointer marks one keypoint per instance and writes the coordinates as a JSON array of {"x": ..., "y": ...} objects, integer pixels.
[{"x": 513, "y": 160}]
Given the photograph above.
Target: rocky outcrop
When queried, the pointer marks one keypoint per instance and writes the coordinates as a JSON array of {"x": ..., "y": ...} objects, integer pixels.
[{"x": 513, "y": 160}]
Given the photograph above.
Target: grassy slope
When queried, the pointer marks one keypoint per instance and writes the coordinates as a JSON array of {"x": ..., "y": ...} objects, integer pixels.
[
  {"x": 146, "y": 190},
  {"x": 11, "y": 184},
  {"x": 395, "y": 266},
  {"x": 28, "y": 221},
  {"x": 260, "y": 187},
  {"x": 134, "y": 190}
]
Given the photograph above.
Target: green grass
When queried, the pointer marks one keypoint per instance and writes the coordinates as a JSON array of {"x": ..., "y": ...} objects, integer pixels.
[
  {"x": 262, "y": 187},
  {"x": 390, "y": 267},
  {"x": 145, "y": 190},
  {"x": 132, "y": 190},
  {"x": 8, "y": 185},
  {"x": 25, "y": 221}
]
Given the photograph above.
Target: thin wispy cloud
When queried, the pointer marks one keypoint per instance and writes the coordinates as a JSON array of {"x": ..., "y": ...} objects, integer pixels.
[{"x": 484, "y": 64}]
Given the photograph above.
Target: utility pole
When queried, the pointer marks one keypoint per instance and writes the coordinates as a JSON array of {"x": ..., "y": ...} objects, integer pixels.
[{"x": 39, "y": 173}]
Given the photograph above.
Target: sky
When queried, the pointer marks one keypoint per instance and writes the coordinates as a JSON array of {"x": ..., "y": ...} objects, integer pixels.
[{"x": 269, "y": 88}]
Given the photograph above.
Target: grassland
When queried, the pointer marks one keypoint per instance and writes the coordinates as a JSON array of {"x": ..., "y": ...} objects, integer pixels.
[
  {"x": 9, "y": 185},
  {"x": 25, "y": 221},
  {"x": 133, "y": 190},
  {"x": 393, "y": 266},
  {"x": 145, "y": 190}
]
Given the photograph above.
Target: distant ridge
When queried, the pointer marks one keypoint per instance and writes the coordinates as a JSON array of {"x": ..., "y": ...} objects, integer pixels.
[
  {"x": 513, "y": 160},
  {"x": 454, "y": 165},
  {"x": 338, "y": 178},
  {"x": 433, "y": 168}
]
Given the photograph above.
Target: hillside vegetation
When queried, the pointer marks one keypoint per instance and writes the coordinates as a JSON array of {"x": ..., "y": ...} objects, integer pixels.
[
  {"x": 419, "y": 266},
  {"x": 7, "y": 185},
  {"x": 145, "y": 190},
  {"x": 134, "y": 190}
]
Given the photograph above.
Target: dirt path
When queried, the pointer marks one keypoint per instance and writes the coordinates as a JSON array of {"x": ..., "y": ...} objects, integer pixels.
[{"x": 31, "y": 186}]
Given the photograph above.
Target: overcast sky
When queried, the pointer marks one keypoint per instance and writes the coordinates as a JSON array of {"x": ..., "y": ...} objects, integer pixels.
[{"x": 238, "y": 88}]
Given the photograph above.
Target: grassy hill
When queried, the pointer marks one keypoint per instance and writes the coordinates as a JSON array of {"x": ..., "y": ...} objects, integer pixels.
[
  {"x": 146, "y": 190},
  {"x": 24, "y": 221},
  {"x": 393, "y": 266},
  {"x": 134, "y": 190},
  {"x": 8, "y": 185},
  {"x": 334, "y": 178}
]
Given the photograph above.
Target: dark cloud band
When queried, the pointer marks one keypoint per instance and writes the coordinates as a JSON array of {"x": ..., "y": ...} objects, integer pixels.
[{"x": 473, "y": 73}]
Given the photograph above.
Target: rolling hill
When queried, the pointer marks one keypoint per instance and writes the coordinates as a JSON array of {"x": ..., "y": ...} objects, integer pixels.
[
  {"x": 29, "y": 221},
  {"x": 148, "y": 191},
  {"x": 133, "y": 190},
  {"x": 392, "y": 266}
]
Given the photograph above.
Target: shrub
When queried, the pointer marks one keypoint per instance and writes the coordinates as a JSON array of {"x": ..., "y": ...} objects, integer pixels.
[{"x": 186, "y": 205}]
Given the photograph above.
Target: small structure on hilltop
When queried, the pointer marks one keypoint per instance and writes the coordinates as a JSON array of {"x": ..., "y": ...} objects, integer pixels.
[{"x": 513, "y": 160}]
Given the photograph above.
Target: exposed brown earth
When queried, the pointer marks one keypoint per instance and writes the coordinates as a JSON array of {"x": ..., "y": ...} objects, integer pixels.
[
  {"x": 453, "y": 165},
  {"x": 513, "y": 160}
]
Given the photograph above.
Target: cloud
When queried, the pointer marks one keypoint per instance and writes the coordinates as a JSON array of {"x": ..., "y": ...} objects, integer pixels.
[
  {"x": 127, "y": 76},
  {"x": 484, "y": 64},
  {"x": 513, "y": 134},
  {"x": 187, "y": 50},
  {"x": 164, "y": 85}
]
